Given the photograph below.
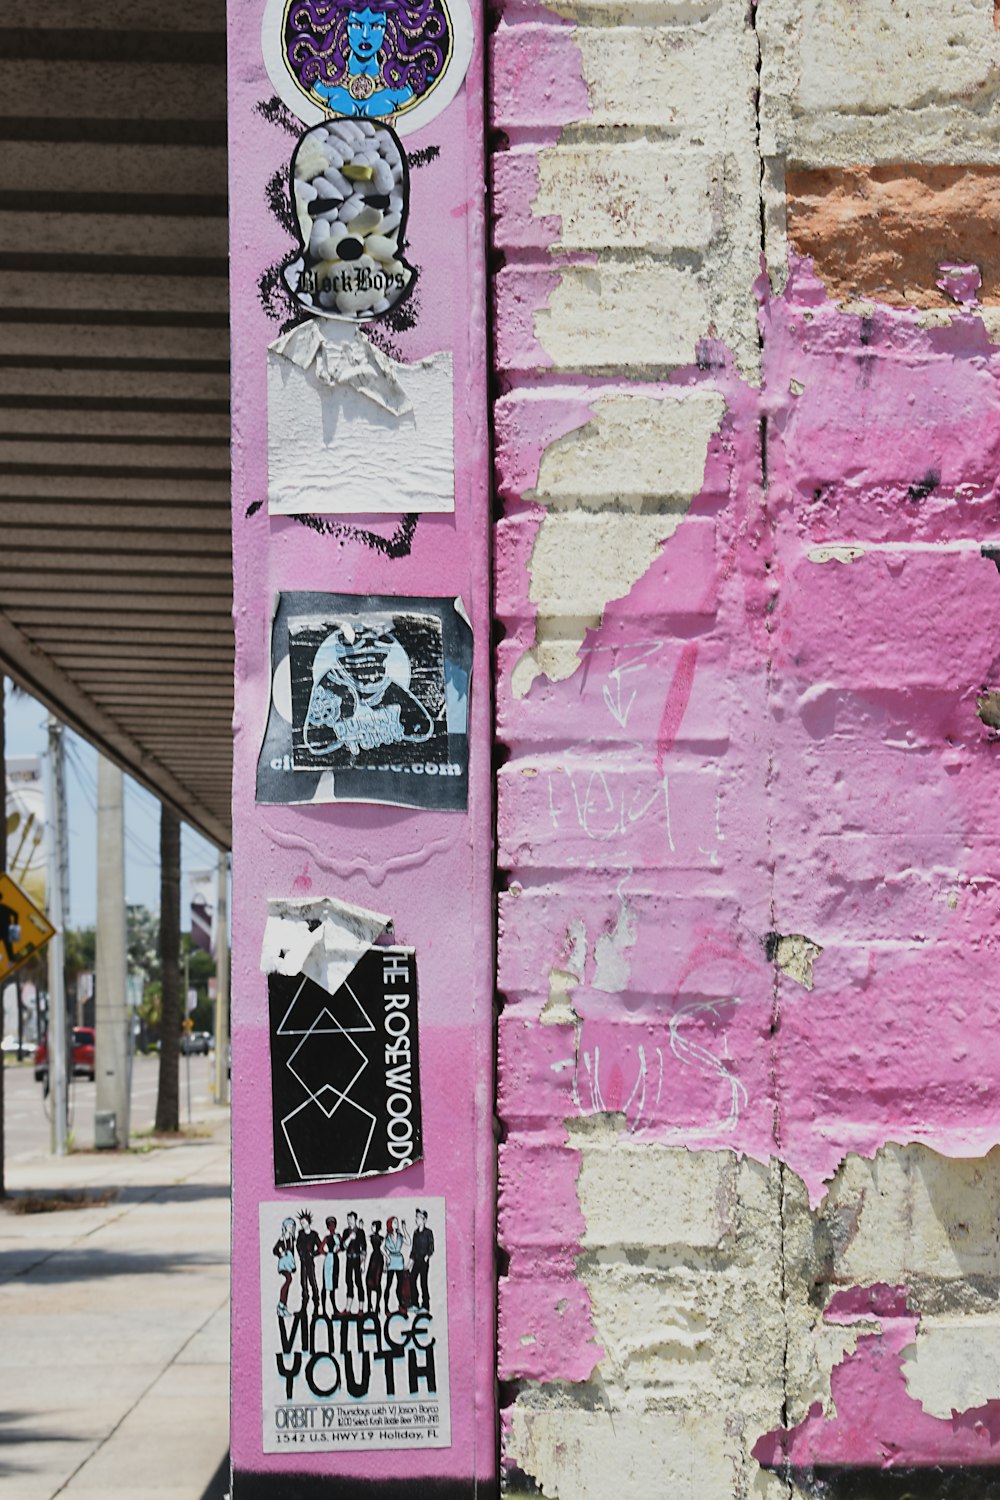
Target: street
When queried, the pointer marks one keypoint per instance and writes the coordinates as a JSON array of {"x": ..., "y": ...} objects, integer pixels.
[{"x": 26, "y": 1109}]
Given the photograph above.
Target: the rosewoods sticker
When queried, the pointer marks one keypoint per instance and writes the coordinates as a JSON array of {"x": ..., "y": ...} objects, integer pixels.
[{"x": 345, "y": 1071}]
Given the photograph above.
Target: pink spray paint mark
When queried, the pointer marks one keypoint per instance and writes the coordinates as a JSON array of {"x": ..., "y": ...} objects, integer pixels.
[
  {"x": 676, "y": 704},
  {"x": 962, "y": 282}
]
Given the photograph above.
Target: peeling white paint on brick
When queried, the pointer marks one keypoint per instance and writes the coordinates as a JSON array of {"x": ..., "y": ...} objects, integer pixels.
[
  {"x": 663, "y": 437},
  {"x": 606, "y": 520},
  {"x": 612, "y": 966},
  {"x": 580, "y": 325},
  {"x": 685, "y": 1255},
  {"x": 954, "y": 1363},
  {"x": 795, "y": 956}
]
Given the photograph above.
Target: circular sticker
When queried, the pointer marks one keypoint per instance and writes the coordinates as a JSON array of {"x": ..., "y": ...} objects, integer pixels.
[{"x": 399, "y": 61}]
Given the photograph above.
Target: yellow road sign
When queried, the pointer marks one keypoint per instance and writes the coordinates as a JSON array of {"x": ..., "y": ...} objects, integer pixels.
[{"x": 23, "y": 928}]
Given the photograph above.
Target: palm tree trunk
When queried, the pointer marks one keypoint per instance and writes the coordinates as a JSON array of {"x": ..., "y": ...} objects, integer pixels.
[{"x": 168, "y": 1091}]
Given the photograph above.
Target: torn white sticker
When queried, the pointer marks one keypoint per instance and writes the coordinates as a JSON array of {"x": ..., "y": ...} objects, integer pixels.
[
  {"x": 352, "y": 431},
  {"x": 321, "y": 939},
  {"x": 340, "y": 361}
]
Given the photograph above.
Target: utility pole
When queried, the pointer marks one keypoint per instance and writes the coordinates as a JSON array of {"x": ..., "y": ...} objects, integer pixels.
[
  {"x": 186, "y": 1023},
  {"x": 222, "y": 982},
  {"x": 111, "y": 1012},
  {"x": 58, "y": 883}
]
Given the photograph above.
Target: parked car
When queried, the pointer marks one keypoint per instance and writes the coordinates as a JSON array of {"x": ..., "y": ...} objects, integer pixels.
[
  {"x": 198, "y": 1042},
  {"x": 13, "y": 1048},
  {"x": 83, "y": 1055}
]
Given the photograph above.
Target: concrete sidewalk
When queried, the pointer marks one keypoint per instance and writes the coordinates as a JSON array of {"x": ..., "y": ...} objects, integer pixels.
[{"x": 114, "y": 1325}]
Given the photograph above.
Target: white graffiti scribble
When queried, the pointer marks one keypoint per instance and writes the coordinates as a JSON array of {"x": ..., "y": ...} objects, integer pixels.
[
  {"x": 689, "y": 1053},
  {"x": 629, "y": 660},
  {"x": 597, "y": 1103},
  {"x": 692, "y": 1054},
  {"x": 594, "y": 1078},
  {"x": 607, "y": 803},
  {"x": 640, "y": 1081}
]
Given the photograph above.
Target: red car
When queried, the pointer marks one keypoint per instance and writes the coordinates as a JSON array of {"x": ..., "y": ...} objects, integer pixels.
[{"x": 83, "y": 1055}]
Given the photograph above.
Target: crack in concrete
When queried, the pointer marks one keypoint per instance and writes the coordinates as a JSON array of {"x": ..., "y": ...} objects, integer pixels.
[{"x": 775, "y": 1004}]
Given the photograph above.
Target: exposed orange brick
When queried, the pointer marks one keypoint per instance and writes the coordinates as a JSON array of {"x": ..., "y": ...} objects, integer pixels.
[{"x": 882, "y": 232}]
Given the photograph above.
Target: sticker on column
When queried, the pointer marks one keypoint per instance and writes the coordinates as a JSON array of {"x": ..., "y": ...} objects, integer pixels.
[
  {"x": 345, "y": 1059},
  {"x": 350, "y": 194},
  {"x": 352, "y": 431},
  {"x": 354, "y": 1324},
  {"x": 403, "y": 60},
  {"x": 369, "y": 702}
]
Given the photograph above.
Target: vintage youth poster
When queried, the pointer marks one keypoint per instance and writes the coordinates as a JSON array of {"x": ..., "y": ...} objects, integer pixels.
[{"x": 354, "y": 1324}]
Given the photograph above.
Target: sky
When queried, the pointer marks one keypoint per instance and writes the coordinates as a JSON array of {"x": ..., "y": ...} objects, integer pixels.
[{"x": 26, "y": 735}]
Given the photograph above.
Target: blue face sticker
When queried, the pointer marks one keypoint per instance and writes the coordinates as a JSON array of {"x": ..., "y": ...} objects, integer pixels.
[
  {"x": 365, "y": 32},
  {"x": 367, "y": 59}
]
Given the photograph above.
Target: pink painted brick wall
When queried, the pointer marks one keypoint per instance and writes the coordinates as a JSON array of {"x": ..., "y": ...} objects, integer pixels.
[{"x": 734, "y": 713}]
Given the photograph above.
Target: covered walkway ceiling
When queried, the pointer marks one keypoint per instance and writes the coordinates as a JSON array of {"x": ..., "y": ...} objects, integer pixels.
[{"x": 116, "y": 592}]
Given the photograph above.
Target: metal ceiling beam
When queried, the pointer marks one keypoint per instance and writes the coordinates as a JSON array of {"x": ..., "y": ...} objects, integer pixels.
[{"x": 33, "y": 670}]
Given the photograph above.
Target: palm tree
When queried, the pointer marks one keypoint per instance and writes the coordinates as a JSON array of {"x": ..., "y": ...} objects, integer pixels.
[{"x": 168, "y": 1088}]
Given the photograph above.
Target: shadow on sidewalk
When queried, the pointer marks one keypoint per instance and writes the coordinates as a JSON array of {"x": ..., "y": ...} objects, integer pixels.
[
  {"x": 218, "y": 1487},
  {"x": 78, "y": 1197},
  {"x": 12, "y": 1436},
  {"x": 83, "y": 1263},
  {"x": 175, "y": 1192}
]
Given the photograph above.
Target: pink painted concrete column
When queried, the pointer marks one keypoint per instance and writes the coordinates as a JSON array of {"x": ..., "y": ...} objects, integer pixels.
[{"x": 430, "y": 871}]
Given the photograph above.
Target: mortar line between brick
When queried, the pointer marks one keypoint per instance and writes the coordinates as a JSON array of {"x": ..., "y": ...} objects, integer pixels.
[
  {"x": 784, "y": 1317},
  {"x": 761, "y": 206}
]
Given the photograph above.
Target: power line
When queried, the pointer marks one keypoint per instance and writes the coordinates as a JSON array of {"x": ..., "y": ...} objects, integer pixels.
[
  {"x": 144, "y": 800},
  {"x": 210, "y": 855},
  {"x": 143, "y": 854},
  {"x": 82, "y": 785}
]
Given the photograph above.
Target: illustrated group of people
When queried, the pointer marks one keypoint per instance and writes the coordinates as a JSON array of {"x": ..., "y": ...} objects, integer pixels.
[{"x": 376, "y": 1265}]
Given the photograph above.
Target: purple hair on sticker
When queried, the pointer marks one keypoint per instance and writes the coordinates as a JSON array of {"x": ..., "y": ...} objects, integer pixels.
[{"x": 413, "y": 54}]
